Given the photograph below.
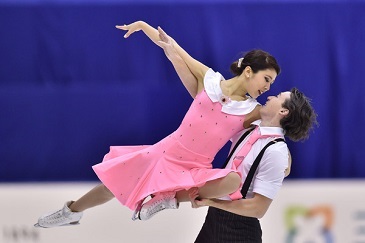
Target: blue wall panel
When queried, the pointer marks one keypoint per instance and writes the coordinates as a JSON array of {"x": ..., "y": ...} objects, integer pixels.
[{"x": 71, "y": 85}]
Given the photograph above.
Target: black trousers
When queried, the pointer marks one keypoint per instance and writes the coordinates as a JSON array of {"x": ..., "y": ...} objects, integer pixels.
[{"x": 224, "y": 227}]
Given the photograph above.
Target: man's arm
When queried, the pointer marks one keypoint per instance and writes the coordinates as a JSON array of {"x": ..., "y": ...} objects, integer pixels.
[
  {"x": 253, "y": 207},
  {"x": 287, "y": 171}
]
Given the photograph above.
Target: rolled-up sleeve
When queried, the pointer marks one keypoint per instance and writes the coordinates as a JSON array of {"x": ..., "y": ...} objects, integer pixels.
[{"x": 271, "y": 171}]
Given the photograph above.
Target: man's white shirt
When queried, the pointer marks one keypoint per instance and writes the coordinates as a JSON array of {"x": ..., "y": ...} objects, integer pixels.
[{"x": 271, "y": 171}]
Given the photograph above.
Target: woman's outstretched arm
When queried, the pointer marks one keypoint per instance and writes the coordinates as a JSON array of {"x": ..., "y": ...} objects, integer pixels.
[
  {"x": 197, "y": 68},
  {"x": 182, "y": 70}
]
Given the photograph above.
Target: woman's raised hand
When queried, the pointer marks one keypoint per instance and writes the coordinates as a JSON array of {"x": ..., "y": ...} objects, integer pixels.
[
  {"x": 163, "y": 36},
  {"x": 166, "y": 43},
  {"x": 130, "y": 28}
]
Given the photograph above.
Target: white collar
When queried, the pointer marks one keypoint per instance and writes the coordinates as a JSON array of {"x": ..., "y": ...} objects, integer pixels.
[
  {"x": 269, "y": 130},
  {"x": 212, "y": 87}
]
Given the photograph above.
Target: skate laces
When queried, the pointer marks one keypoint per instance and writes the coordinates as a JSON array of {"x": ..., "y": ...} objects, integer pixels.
[
  {"x": 63, "y": 216},
  {"x": 58, "y": 216},
  {"x": 157, "y": 206},
  {"x": 55, "y": 217},
  {"x": 162, "y": 202}
]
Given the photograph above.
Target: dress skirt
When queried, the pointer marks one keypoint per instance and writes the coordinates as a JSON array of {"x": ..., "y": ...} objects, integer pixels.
[{"x": 132, "y": 173}]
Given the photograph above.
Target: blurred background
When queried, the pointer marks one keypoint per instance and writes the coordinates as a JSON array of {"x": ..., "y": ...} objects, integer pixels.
[{"x": 71, "y": 86}]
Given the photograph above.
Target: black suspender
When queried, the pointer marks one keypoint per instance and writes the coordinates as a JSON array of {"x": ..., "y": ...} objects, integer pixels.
[{"x": 254, "y": 166}]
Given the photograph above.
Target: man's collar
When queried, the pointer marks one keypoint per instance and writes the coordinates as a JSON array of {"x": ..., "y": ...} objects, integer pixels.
[{"x": 269, "y": 130}]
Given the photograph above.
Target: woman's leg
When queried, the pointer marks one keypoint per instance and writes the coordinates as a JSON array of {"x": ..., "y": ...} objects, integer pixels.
[
  {"x": 169, "y": 200},
  {"x": 97, "y": 196},
  {"x": 72, "y": 212},
  {"x": 214, "y": 189}
]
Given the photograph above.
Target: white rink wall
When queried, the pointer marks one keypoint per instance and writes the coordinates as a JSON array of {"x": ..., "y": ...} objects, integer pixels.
[
  {"x": 22, "y": 204},
  {"x": 341, "y": 202}
]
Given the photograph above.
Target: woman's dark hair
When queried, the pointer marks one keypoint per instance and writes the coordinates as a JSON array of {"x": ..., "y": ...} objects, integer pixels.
[
  {"x": 258, "y": 60},
  {"x": 301, "y": 118}
]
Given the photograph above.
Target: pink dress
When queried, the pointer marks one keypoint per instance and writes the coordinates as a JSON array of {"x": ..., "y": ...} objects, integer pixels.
[{"x": 181, "y": 160}]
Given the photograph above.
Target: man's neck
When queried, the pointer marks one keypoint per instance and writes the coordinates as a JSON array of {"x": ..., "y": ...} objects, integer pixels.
[{"x": 270, "y": 123}]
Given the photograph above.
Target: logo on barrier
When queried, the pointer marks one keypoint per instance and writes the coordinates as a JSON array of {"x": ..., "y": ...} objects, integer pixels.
[
  {"x": 312, "y": 225},
  {"x": 17, "y": 233}
]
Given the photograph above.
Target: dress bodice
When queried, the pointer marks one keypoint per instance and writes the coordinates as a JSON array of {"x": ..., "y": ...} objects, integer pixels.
[{"x": 211, "y": 121}]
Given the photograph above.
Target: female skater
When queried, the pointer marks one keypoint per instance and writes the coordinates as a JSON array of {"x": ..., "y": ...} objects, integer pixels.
[{"x": 182, "y": 160}]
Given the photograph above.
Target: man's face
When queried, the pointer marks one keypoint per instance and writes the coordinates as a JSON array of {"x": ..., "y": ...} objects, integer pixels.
[{"x": 274, "y": 104}]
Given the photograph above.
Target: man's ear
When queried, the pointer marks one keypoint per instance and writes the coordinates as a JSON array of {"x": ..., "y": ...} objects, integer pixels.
[{"x": 284, "y": 111}]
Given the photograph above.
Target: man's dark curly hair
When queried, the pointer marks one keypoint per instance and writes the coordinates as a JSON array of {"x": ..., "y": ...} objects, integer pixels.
[{"x": 301, "y": 118}]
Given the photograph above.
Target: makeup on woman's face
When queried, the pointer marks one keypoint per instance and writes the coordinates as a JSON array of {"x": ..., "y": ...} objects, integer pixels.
[{"x": 261, "y": 82}]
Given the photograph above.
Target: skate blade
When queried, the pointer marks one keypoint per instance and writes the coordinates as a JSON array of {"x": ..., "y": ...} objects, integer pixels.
[
  {"x": 37, "y": 225},
  {"x": 136, "y": 212},
  {"x": 135, "y": 215}
]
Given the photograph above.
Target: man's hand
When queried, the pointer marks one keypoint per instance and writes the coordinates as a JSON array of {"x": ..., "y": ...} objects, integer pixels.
[
  {"x": 202, "y": 202},
  {"x": 196, "y": 202}
]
